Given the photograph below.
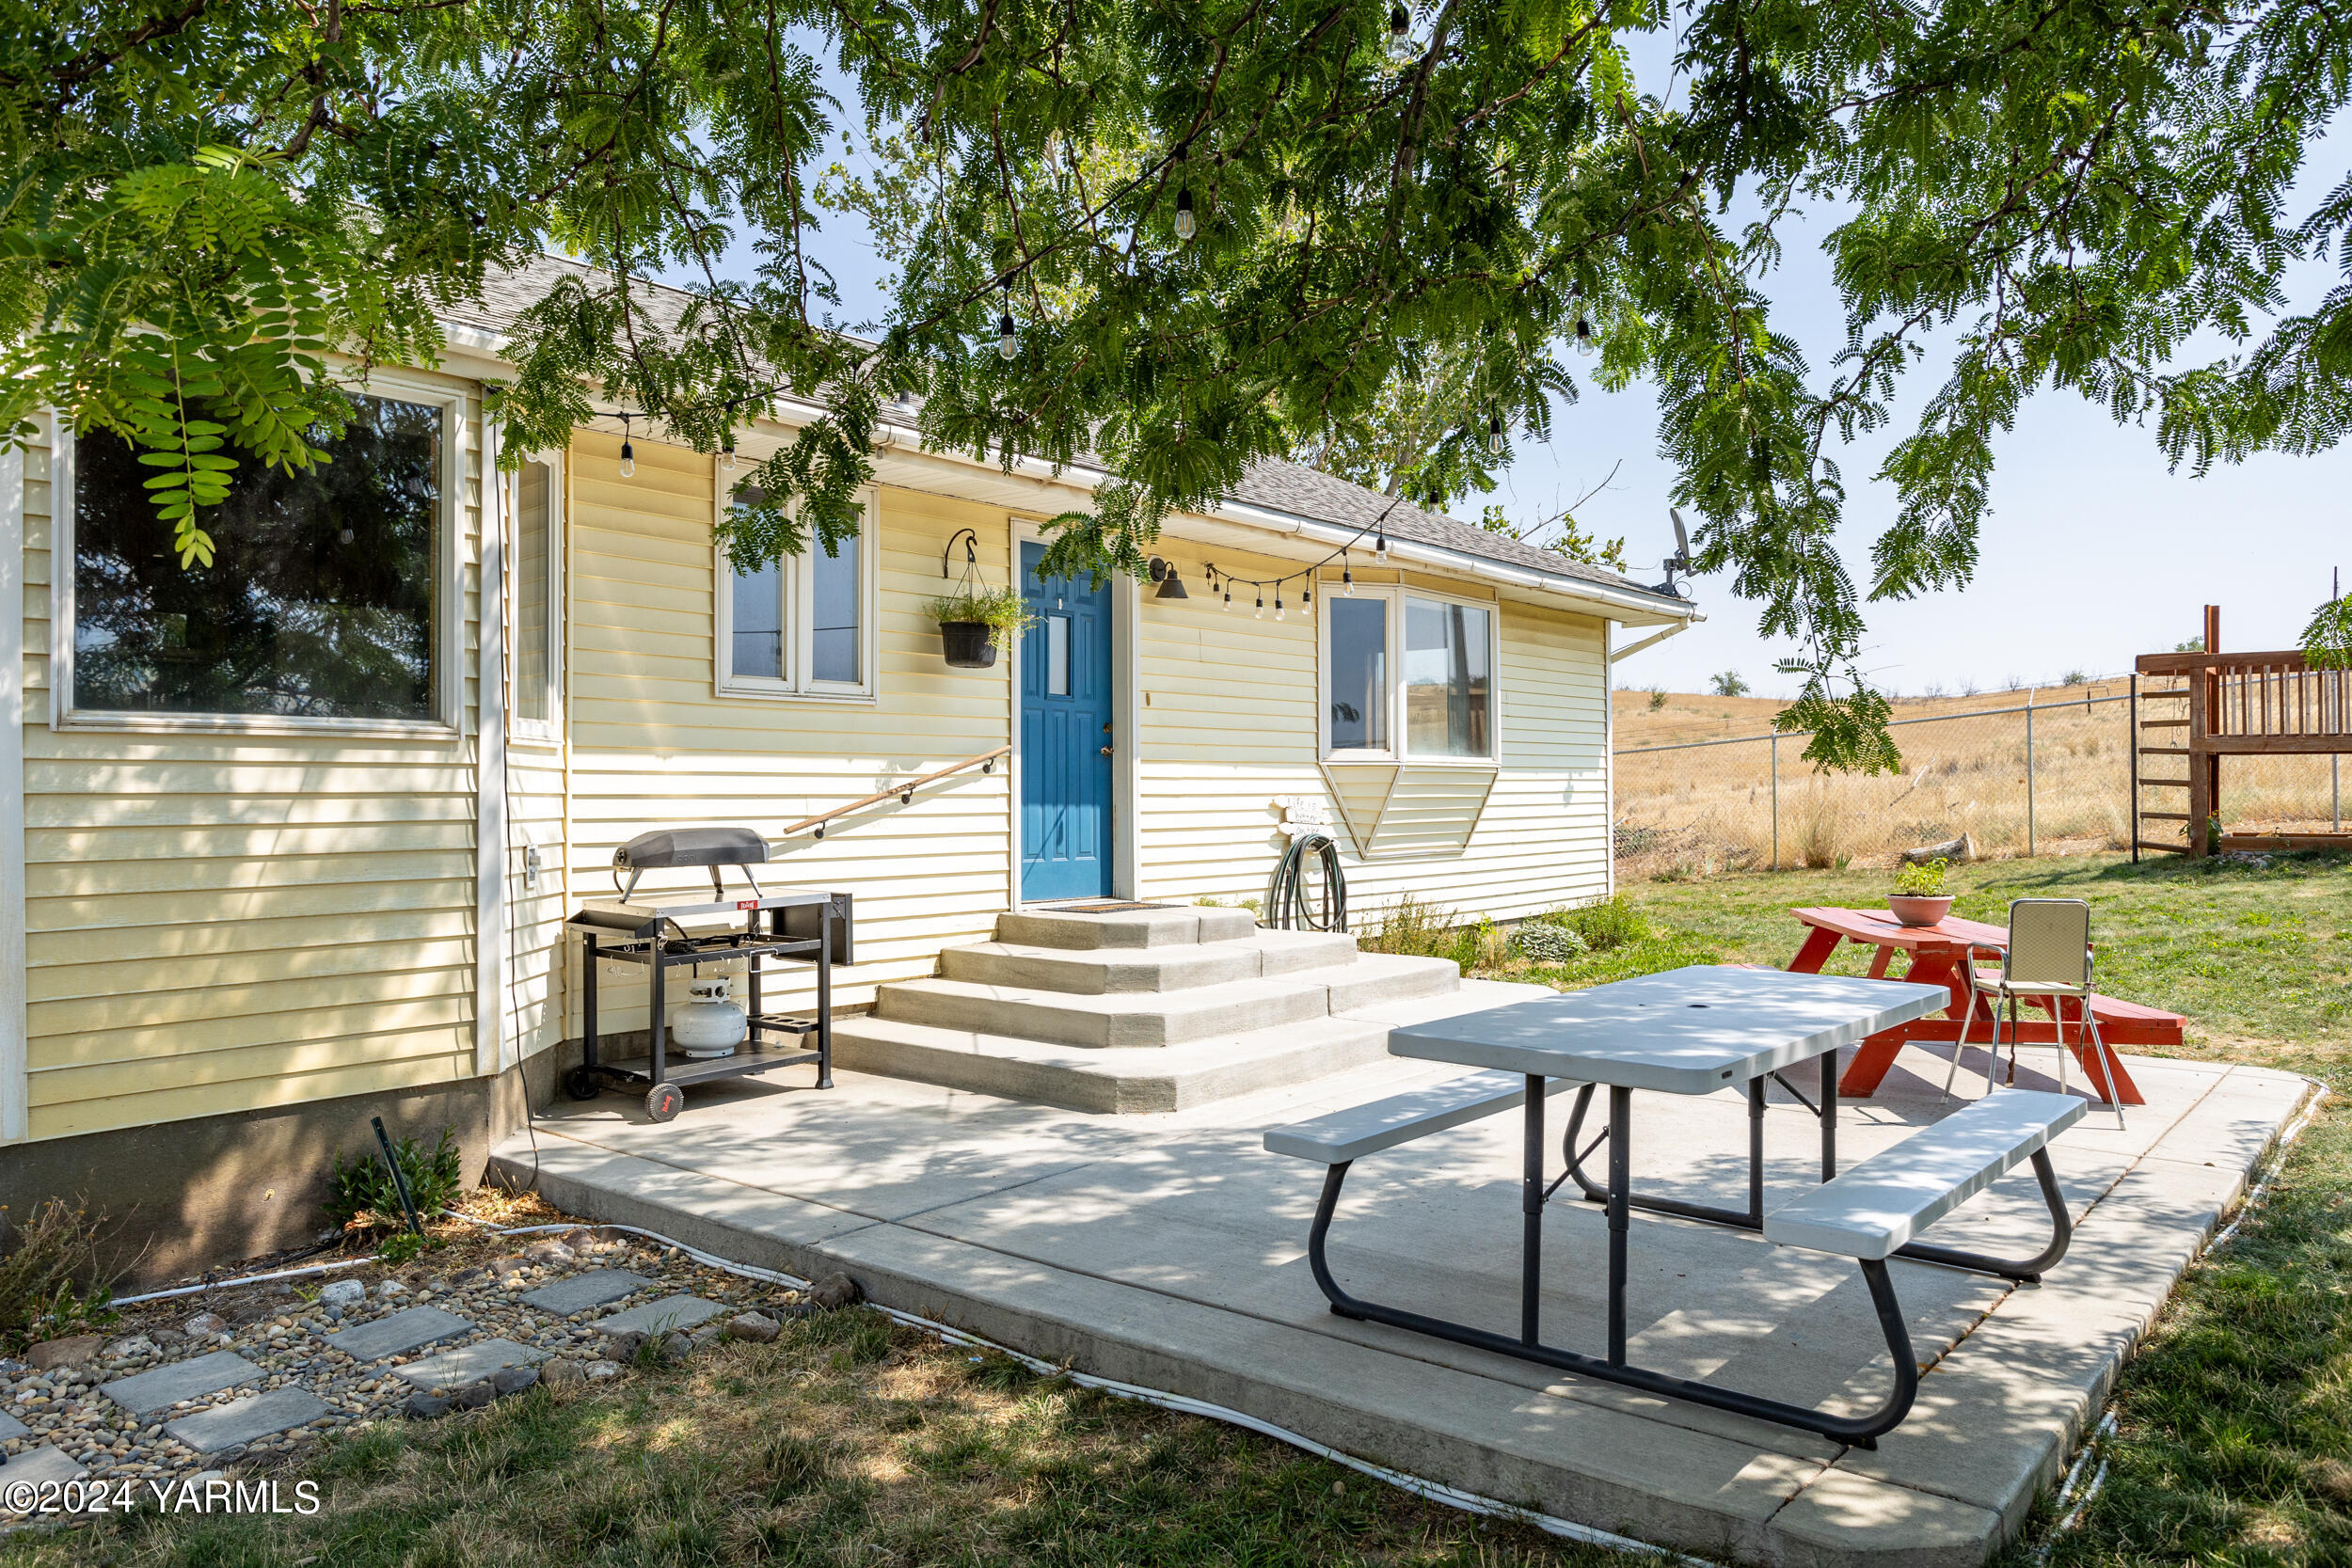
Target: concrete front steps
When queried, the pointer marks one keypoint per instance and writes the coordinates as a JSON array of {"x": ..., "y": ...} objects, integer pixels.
[{"x": 1143, "y": 1010}]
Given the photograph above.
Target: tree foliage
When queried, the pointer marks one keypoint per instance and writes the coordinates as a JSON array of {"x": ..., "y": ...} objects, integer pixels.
[{"x": 213, "y": 203}]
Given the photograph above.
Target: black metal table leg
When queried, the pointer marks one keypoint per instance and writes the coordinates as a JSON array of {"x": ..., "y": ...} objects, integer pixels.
[
  {"x": 1829, "y": 1116},
  {"x": 1755, "y": 1152},
  {"x": 824, "y": 995},
  {"x": 1620, "y": 1215},
  {"x": 1532, "y": 1212}
]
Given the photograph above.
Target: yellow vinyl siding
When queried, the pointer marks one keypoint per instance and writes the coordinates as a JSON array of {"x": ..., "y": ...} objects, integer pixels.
[
  {"x": 654, "y": 745},
  {"x": 220, "y": 922},
  {"x": 1230, "y": 727}
]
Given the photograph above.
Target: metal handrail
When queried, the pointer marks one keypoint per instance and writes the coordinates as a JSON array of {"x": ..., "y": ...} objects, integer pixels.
[{"x": 986, "y": 761}]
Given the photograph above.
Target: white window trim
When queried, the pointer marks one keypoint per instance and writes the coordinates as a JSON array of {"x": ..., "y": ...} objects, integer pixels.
[
  {"x": 797, "y": 580},
  {"x": 1394, "y": 596},
  {"x": 449, "y": 595},
  {"x": 547, "y": 731}
]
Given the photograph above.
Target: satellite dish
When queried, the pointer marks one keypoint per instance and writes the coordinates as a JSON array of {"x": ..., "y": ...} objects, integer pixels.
[{"x": 1680, "y": 560}]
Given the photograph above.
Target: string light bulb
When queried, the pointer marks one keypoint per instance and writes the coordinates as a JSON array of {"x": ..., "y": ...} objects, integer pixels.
[
  {"x": 1278, "y": 604},
  {"x": 1380, "y": 548},
  {"x": 629, "y": 452},
  {"x": 1261, "y": 615},
  {"x": 1494, "y": 434},
  {"x": 1400, "y": 34},
  {"x": 726, "y": 450},
  {"x": 1008, "y": 336},
  {"x": 1185, "y": 226},
  {"x": 1585, "y": 342}
]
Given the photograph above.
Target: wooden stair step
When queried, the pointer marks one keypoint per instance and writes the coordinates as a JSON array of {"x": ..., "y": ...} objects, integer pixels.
[{"x": 2166, "y": 784}]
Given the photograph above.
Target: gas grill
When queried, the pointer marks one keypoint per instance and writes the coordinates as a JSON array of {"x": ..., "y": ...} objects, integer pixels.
[{"x": 665, "y": 930}]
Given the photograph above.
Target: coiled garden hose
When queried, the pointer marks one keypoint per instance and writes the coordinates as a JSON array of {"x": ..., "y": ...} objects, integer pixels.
[{"x": 1288, "y": 905}]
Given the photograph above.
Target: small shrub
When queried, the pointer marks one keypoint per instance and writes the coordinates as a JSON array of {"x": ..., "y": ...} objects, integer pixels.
[
  {"x": 361, "y": 1191},
  {"x": 51, "y": 1280},
  {"x": 1728, "y": 684},
  {"x": 1924, "y": 879},
  {"x": 1657, "y": 701},
  {"x": 1414, "y": 928},
  {"x": 1610, "y": 924},
  {"x": 1541, "y": 942}
]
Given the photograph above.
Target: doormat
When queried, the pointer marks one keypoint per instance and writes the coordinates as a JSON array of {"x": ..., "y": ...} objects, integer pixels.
[{"x": 1105, "y": 906}]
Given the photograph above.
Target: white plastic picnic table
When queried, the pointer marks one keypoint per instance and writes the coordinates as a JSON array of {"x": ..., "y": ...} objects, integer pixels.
[{"x": 1686, "y": 1031}]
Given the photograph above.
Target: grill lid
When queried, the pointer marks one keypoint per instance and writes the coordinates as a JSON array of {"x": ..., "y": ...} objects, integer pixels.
[{"x": 672, "y": 846}]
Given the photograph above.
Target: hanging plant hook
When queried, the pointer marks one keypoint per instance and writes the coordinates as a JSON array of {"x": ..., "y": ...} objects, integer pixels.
[{"x": 971, "y": 550}]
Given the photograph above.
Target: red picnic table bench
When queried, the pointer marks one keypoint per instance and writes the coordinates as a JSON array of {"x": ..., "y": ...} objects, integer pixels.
[{"x": 1937, "y": 954}]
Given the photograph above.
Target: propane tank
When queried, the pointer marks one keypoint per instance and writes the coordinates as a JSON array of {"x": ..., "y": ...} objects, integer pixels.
[{"x": 712, "y": 1024}]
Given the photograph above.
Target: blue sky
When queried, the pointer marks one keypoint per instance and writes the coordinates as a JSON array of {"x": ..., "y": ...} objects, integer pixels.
[{"x": 2094, "y": 552}]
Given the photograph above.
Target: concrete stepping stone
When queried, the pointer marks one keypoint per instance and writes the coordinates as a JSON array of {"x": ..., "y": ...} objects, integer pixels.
[
  {"x": 11, "y": 1427},
  {"x": 245, "y": 1420},
  {"x": 39, "y": 1466},
  {"x": 398, "y": 1334},
  {"x": 453, "y": 1368},
  {"x": 583, "y": 1290},
  {"x": 670, "y": 1312},
  {"x": 181, "y": 1380}
]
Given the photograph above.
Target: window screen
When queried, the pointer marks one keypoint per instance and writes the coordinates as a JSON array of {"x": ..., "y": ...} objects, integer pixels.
[
  {"x": 320, "y": 598},
  {"x": 533, "y": 550},
  {"x": 836, "y": 646},
  {"x": 758, "y": 623},
  {"x": 1448, "y": 687},
  {"x": 1358, "y": 694}
]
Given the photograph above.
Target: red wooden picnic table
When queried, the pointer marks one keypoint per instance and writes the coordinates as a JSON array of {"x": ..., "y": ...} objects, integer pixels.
[{"x": 1937, "y": 955}]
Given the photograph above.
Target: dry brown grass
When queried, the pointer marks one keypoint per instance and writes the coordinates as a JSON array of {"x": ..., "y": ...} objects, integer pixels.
[{"x": 1700, "y": 811}]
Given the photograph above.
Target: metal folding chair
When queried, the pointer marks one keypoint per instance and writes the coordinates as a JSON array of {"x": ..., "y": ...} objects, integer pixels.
[{"x": 2048, "y": 959}]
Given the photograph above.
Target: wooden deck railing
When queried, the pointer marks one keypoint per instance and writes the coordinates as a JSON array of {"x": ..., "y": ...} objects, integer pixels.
[
  {"x": 2236, "y": 704},
  {"x": 984, "y": 761}
]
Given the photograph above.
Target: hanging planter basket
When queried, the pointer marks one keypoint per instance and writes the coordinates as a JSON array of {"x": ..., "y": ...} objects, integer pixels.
[
  {"x": 975, "y": 621},
  {"x": 967, "y": 644}
]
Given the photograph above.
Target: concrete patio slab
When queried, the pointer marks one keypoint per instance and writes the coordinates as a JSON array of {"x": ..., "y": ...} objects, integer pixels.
[
  {"x": 242, "y": 1420},
  {"x": 11, "y": 1427},
  {"x": 1168, "y": 1251},
  {"x": 192, "y": 1379}
]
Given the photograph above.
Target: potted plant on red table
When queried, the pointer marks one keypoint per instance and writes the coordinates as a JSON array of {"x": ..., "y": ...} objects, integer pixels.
[{"x": 1918, "y": 897}]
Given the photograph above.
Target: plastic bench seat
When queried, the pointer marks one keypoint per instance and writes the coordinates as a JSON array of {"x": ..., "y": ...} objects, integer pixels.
[
  {"x": 1876, "y": 1209},
  {"x": 1343, "y": 1135}
]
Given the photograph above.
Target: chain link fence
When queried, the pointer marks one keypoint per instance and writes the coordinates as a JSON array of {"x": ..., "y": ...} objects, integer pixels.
[{"x": 2035, "y": 777}]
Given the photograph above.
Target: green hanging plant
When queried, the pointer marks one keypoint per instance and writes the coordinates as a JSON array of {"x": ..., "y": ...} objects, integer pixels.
[{"x": 1001, "y": 610}]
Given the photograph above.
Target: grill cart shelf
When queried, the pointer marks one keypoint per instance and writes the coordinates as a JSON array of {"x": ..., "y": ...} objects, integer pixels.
[{"x": 789, "y": 922}]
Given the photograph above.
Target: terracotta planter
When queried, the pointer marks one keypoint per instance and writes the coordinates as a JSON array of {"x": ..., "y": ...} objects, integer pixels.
[
  {"x": 966, "y": 645},
  {"x": 1920, "y": 908}
]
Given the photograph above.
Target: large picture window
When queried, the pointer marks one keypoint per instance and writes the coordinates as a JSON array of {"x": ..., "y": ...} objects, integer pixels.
[
  {"x": 801, "y": 627},
  {"x": 321, "y": 600},
  {"x": 1400, "y": 663}
]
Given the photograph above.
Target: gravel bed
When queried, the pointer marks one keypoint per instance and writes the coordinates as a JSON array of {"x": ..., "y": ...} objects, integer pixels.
[{"x": 281, "y": 1327}]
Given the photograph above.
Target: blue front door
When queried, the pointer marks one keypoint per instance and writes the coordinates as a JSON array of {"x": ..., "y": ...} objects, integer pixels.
[{"x": 1066, "y": 738}]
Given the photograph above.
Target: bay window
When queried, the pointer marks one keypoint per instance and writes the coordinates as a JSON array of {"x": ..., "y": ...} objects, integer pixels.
[{"x": 1402, "y": 663}]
